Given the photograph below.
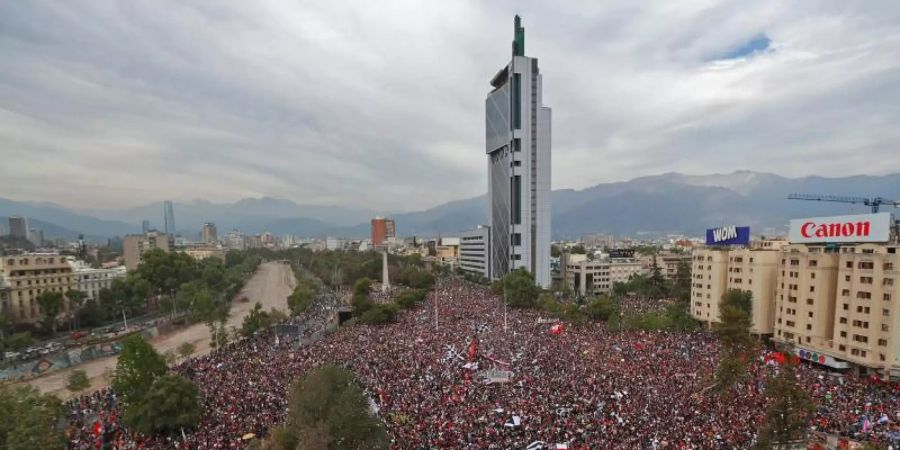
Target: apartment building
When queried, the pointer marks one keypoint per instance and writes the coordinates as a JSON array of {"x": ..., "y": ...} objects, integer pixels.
[
  {"x": 26, "y": 276},
  {"x": 709, "y": 281},
  {"x": 716, "y": 270},
  {"x": 135, "y": 245},
  {"x": 805, "y": 299},
  {"x": 668, "y": 263}
]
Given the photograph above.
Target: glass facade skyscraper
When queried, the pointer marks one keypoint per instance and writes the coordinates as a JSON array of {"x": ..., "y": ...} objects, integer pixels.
[
  {"x": 518, "y": 148},
  {"x": 169, "y": 213}
]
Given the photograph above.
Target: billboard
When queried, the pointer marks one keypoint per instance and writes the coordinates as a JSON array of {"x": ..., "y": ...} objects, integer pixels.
[
  {"x": 853, "y": 228},
  {"x": 621, "y": 253},
  {"x": 730, "y": 235}
]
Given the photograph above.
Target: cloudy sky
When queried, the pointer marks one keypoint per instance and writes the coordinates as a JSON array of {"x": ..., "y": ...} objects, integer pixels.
[{"x": 380, "y": 104}]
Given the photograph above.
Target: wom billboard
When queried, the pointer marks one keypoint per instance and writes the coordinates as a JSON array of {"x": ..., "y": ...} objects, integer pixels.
[
  {"x": 728, "y": 236},
  {"x": 855, "y": 228}
]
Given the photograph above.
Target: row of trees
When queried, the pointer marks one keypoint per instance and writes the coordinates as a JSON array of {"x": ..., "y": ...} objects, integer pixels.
[
  {"x": 520, "y": 291},
  {"x": 170, "y": 281}
]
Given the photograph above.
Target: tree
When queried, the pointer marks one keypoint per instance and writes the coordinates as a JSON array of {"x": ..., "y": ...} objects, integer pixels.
[
  {"x": 519, "y": 289},
  {"x": 4, "y": 329},
  {"x": 409, "y": 299},
  {"x": 602, "y": 308},
  {"x": 328, "y": 410},
  {"x": 30, "y": 420},
  {"x": 379, "y": 314},
  {"x": 78, "y": 381},
  {"x": 256, "y": 320},
  {"x": 186, "y": 349},
  {"x": 171, "y": 404},
  {"x": 138, "y": 367},
  {"x": 578, "y": 250},
  {"x": 362, "y": 286},
  {"x": 19, "y": 341},
  {"x": 300, "y": 299},
  {"x": 789, "y": 412},
  {"x": 734, "y": 332},
  {"x": 51, "y": 304},
  {"x": 76, "y": 302},
  {"x": 219, "y": 335}
]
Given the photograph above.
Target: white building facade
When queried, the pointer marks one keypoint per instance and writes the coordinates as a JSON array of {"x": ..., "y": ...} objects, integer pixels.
[
  {"x": 90, "y": 280},
  {"x": 518, "y": 149},
  {"x": 475, "y": 251}
]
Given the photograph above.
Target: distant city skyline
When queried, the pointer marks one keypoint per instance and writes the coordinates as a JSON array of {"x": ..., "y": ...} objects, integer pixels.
[{"x": 102, "y": 106}]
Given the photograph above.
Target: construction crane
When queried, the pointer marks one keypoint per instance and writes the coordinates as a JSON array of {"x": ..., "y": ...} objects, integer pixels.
[{"x": 874, "y": 202}]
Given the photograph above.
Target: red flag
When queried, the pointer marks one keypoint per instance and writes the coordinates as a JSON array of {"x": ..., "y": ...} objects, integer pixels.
[
  {"x": 556, "y": 329},
  {"x": 98, "y": 428}
]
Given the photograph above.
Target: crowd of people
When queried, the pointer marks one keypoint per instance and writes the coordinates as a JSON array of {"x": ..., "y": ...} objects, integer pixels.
[{"x": 457, "y": 373}]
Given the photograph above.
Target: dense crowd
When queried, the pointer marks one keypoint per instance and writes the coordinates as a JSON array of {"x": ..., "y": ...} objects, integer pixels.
[{"x": 584, "y": 386}]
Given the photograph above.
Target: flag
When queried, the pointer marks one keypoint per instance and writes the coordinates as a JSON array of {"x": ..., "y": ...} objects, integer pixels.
[
  {"x": 556, "y": 329},
  {"x": 536, "y": 445},
  {"x": 866, "y": 424},
  {"x": 98, "y": 428},
  {"x": 562, "y": 446},
  {"x": 514, "y": 422}
]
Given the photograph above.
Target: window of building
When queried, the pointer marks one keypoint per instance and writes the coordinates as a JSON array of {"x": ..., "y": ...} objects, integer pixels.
[
  {"x": 885, "y": 327},
  {"x": 849, "y": 264},
  {"x": 886, "y": 312},
  {"x": 882, "y": 342},
  {"x": 843, "y": 320},
  {"x": 847, "y": 278},
  {"x": 843, "y": 334},
  {"x": 888, "y": 281},
  {"x": 842, "y": 348},
  {"x": 517, "y": 199}
]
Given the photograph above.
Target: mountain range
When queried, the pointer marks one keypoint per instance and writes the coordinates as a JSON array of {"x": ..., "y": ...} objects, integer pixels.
[{"x": 670, "y": 203}]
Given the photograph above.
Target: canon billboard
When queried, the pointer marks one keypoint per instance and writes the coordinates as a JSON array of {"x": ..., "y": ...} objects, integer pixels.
[{"x": 856, "y": 228}]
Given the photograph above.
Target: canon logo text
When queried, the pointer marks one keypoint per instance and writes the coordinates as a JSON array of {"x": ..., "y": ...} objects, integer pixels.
[{"x": 827, "y": 230}]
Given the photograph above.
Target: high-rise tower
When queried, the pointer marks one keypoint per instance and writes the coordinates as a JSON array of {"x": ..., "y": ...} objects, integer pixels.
[
  {"x": 169, "y": 214},
  {"x": 518, "y": 149}
]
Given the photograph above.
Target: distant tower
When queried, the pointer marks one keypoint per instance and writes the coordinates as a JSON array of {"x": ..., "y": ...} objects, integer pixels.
[
  {"x": 18, "y": 227},
  {"x": 145, "y": 226},
  {"x": 169, "y": 213},
  {"x": 208, "y": 234},
  {"x": 385, "y": 280}
]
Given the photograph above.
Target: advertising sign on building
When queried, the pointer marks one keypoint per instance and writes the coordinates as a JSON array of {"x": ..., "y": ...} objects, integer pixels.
[
  {"x": 728, "y": 236},
  {"x": 854, "y": 228},
  {"x": 621, "y": 253}
]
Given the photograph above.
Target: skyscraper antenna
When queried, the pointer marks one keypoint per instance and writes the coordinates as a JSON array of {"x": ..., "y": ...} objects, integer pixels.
[{"x": 518, "y": 45}]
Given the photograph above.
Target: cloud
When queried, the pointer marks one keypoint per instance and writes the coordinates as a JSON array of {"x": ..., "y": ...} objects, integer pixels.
[{"x": 381, "y": 104}]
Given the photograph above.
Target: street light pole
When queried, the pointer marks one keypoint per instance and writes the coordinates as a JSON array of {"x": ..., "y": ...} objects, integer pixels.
[{"x": 504, "y": 311}]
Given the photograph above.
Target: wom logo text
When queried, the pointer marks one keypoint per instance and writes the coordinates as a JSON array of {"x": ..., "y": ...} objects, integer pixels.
[{"x": 724, "y": 234}]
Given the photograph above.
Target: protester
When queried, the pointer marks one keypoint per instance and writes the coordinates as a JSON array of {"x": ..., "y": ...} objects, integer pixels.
[{"x": 583, "y": 385}]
